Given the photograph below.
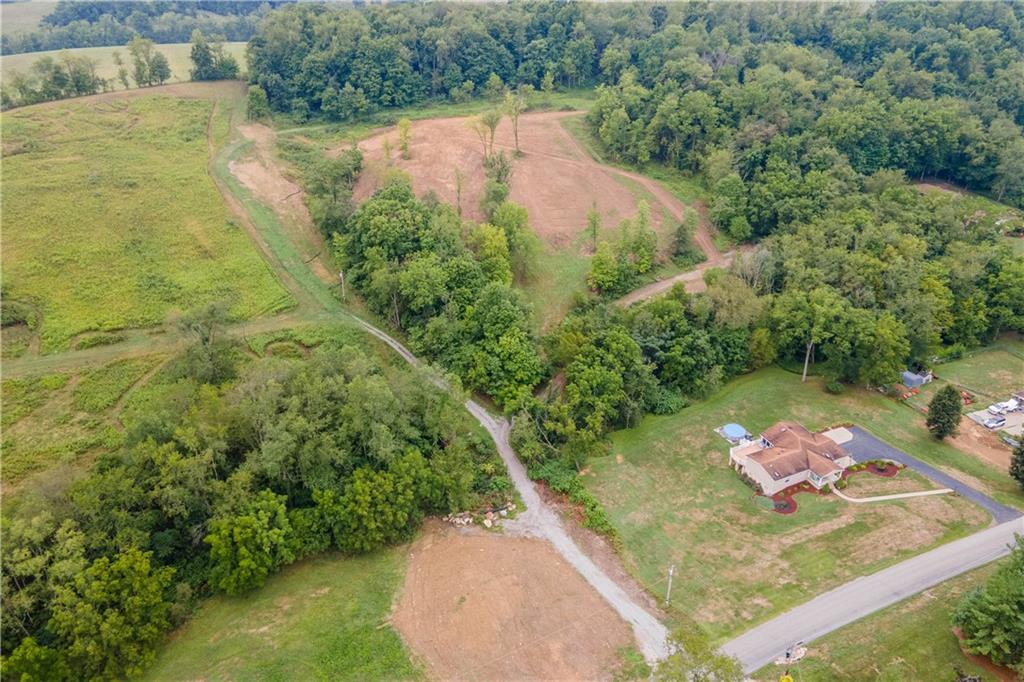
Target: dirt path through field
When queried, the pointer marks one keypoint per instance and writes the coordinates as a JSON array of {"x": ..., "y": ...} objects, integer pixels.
[
  {"x": 263, "y": 174},
  {"x": 483, "y": 606}
]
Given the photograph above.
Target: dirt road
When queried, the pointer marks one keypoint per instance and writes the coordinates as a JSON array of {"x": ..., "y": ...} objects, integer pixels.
[{"x": 540, "y": 520}]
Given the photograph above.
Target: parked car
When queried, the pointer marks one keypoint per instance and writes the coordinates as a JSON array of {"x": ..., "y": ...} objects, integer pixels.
[
  {"x": 1011, "y": 405},
  {"x": 995, "y": 422}
]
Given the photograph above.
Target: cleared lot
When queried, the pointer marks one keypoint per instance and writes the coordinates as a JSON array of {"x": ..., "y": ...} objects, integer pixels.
[{"x": 481, "y": 606}]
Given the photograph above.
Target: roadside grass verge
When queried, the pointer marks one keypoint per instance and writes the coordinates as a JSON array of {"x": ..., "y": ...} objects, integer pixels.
[
  {"x": 113, "y": 222},
  {"x": 669, "y": 492},
  {"x": 323, "y": 618},
  {"x": 918, "y": 643}
]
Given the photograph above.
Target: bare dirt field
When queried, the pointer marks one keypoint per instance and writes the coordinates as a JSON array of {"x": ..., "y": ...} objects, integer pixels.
[
  {"x": 482, "y": 606},
  {"x": 982, "y": 443},
  {"x": 554, "y": 178}
]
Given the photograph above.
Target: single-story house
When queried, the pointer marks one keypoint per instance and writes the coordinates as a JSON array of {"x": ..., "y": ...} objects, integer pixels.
[
  {"x": 787, "y": 454},
  {"x": 913, "y": 380}
]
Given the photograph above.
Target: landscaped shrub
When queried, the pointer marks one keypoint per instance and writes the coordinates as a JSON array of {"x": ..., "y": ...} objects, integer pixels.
[{"x": 835, "y": 387}]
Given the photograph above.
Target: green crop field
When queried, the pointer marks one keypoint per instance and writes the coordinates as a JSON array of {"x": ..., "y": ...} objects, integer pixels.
[
  {"x": 177, "y": 55},
  {"x": 112, "y": 221},
  {"x": 918, "y": 643},
  {"x": 322, "y": 619},
  {"x": 669, "y": 490}
]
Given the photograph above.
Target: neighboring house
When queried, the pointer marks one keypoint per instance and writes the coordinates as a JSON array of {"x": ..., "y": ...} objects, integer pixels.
[
  {"x": 912, "y": 380},
  {"x": 788, "y": 454}
]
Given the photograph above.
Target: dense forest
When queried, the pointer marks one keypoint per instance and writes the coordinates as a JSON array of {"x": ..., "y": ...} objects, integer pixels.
[
  {"x": 89, "y": 23},
  {"x": 932, "y": 89},
  {"x": 231, "y": 468}
]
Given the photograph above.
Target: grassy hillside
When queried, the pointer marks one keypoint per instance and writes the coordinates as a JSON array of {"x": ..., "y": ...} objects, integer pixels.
[
  {"x": 111, "y": 220},
  {"x": 24, "y": 16},
  {"x": 669, "y": 491},
  {"x": 177, "y": 54},
  {"x": 322, "y": 619}
]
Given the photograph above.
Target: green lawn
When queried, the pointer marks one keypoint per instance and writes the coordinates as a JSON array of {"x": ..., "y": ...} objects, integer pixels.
[
  {"x": 177, "y": 56},
  {"x": 325, "y": 618},
  {"x": 911, "y": 640},
  {"x": 669, "y": 491},
  {"x": 112, "y": 221},
  {"x": 991, "y": 373}
]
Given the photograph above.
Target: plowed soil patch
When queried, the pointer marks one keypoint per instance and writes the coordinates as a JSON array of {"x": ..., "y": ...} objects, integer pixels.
[
  {"x": 481, "y": 606},
  {"x": 554, "y": 178}
]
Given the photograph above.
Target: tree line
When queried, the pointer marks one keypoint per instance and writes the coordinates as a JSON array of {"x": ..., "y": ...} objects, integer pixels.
[
  {"x": 231, "y": 469},
  {"x": 74, "y": 23},
  {"x": 71, "y": 75}
]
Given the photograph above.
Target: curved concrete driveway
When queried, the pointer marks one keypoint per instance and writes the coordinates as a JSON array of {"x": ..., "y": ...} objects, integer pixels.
[{"x": 864, "y": 446}]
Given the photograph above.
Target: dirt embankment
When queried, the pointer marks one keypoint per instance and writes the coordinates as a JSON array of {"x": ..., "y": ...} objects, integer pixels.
[
  {"x": 483, "y": 606},
  {"x": 263, "y": 174}
]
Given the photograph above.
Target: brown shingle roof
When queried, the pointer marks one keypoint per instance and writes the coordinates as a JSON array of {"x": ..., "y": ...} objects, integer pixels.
[{"x": 795, "y": 449}]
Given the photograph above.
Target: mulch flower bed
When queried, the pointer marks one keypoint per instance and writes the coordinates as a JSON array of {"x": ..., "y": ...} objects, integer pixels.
[{"x": 784, "y": 501}]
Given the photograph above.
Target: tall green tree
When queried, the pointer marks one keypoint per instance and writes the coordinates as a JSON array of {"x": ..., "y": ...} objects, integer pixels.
[
  {"x": 1017, "y": 464},
  {"x": 110, "y": 620},
  {"x": 992, "y": 617},
  {"x": 248, "y": 545},
  {"x": 944, "y": 412}
]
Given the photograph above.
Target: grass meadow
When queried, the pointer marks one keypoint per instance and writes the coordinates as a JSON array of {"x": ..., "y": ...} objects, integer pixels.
[
  {"x": 991, "y": 373},
  {"x": 918, "y": 642},
  {"x": 669, "y": 491},
  {"x": 24, "y": 16},
  {"x": 113, "y": 222},
  {"x": 177, "y": 56},
  {"x": 325, "y": 618},
  {"x": 64, "y": 419}
]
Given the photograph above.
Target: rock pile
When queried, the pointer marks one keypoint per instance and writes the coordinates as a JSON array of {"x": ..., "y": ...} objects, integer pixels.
[{"x": 488, "y": 518}]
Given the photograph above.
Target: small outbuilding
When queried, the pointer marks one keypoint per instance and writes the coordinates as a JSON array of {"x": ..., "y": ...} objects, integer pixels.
[{"x": 913, "y": 380}]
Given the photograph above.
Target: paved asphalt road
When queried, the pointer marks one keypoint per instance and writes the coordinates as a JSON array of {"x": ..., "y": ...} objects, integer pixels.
[
  {"x": 865, "y": 446},
  {"x": 863, "y": 596}
]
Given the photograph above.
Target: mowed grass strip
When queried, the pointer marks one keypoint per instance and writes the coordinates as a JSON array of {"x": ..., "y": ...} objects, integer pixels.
[
  {"x": 918, "y": 642},
  {"x": 671, "y": 494},
  {"x": 112, "y": 222},
  {"x": 325, "y": 618}
]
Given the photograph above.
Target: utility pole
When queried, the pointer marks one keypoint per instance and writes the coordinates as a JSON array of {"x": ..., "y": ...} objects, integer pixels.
[
  {"x": 341, "y": 275},
  {"x": 668, "y": 594}
]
